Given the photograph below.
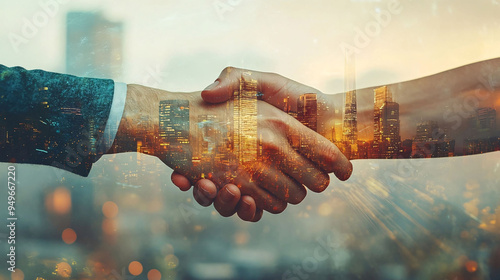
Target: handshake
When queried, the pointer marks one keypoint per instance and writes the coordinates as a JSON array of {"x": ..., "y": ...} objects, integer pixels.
[{"x": 247, "y": 143}]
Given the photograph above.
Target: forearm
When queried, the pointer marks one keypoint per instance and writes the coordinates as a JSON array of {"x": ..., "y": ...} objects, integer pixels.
[
  {"x": 52, "y": 119},
  {"x": 453, "y": 100}
]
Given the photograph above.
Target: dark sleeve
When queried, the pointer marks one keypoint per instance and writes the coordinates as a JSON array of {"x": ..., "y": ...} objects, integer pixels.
[{"x": 52, "y": 119}]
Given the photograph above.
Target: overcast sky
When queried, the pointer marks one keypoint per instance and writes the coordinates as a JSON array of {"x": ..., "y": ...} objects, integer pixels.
[{"x": 191, "y": 41}]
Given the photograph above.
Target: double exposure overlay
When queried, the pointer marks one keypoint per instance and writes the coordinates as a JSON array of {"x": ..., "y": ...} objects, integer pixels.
[{"x": 407, "y": 91}]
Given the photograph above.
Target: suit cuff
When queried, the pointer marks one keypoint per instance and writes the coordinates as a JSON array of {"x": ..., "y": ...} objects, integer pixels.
[{"x": 115, "y": 116}]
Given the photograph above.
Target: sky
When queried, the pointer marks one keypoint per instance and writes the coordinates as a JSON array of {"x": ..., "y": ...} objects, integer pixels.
[{"x": 187, "y": 43}]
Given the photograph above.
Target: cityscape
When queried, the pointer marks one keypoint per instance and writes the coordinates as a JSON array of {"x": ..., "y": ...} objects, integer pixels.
[{"x": 121, "y": 223}]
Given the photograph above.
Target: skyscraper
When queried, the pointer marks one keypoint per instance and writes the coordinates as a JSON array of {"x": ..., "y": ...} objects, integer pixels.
[
  {"x": 245, "y": 120},
  {"x": 350, "y": 127},
  {"x": 390, "y": 127},
  {"x": 430, "y": 141},
  {"x": 307, "y": 110},
  {"x": 386, "y": 125},
  {"x": 425, "y": 131},
  {"x": 486, "y": 120},
  {"x": 381, "y": 96},
  {"x": 93, "y": 46},
  {"x": 174, "y": 132}
]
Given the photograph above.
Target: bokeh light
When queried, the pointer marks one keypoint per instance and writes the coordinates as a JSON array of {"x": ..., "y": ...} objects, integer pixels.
[
  {"x": 69, "y": 236},
  {"x": 325, "y": 209},
  {"x": 172, "y": 261},
  {"x": 18, "y": 274},
  {"x": 110, "y": 209},
  {"x": 471, "y": 266},
  {"x": 58, "y": 201},
  {"x": 63, "y": 269},
  {"x": 154, "y": 274},
  {"x": 241, "y": 238},
  {"x": 135, "y": 268}
]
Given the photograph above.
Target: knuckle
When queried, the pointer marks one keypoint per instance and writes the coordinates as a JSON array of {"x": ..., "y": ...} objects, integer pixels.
[
  {"x": 271, "y": 147},
  {"x": 230, "y": 70},
  {"x": 329, "y": 156},
  {"x": 278, "y": 123}
]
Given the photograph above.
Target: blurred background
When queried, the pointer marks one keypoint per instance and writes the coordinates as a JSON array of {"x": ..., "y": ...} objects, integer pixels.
[{"x": 394, "y": 219}]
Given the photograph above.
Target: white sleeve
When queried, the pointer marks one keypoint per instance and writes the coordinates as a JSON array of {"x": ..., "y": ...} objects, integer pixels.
[{"x": 115, "y": 115}]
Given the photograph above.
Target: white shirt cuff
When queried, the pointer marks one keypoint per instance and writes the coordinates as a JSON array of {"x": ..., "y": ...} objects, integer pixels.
[{"x": 115, "y": 116}]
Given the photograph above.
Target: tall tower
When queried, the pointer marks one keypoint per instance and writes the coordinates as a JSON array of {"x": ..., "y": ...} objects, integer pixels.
[
  {"x": 350, "y": 127},
  {"x": 390, "y": 130},
  {"x": 307, "y": 110},
  {"x": 381, "y": 96},
  {"x": 245, "y": 120}
]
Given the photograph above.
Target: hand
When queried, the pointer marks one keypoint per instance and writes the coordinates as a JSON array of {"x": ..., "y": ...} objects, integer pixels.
[
  {"x": 275, "y": 90},
  {"x": 227, "y": 201},
  {"x": 272, "y": 181}
]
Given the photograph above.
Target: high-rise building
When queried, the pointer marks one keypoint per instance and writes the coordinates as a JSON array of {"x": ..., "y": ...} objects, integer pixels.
[
  {"x": 390, "y": 130},
  {"x": 174, "y": 132},
  {"x": 486, "y": 119},
  {"x": 485, "y": 137},
  {"x": 307, "y": 114},
  {"x": 350, "y": 127},
  {"x": 426, "y": 130},
  {"x": 245, "y": 120},
  {"x": 382, "y": 95},
  {"x": 307, "y": 110},
  {"x": 94, "y": 45},
  {"x": 431, "y": 141}
]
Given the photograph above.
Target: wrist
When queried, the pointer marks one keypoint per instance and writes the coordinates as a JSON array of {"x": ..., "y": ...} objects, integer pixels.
[
  {"x": 139, "y": 117},
  {"x": 139, "y": 125}
]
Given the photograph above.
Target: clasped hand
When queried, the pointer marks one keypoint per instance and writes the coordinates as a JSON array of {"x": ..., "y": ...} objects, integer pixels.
[
  {"x": 242, "y": 154},
  {"x": 279, "y": 175}
]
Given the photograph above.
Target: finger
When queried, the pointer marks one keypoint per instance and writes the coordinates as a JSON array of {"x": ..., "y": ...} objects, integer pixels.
[
  {"x": 180, "y": 181},
  {"x": 319, "y": 150},
  {"x": 323, "y": 153},
  {"x": 258, "y": 215},
  {"x": 263, "y": 199},
  {"x": 273, "y": 87},
  {"x": 301, "y": 169},
  {"x": 227, "y": 200},
  {"x": 204, "y": 192},
  {"x": 247, "y": 208},
  {"x": 282, "y": 186}
]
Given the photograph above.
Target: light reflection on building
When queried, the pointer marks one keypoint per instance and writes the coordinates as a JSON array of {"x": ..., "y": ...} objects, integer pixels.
[
  {"x": 245, "y": 120},
  {"x": 174, "y": 132}
]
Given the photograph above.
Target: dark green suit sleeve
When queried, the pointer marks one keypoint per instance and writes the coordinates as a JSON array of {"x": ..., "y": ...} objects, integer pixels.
[{"x": 52, "y": 119}]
